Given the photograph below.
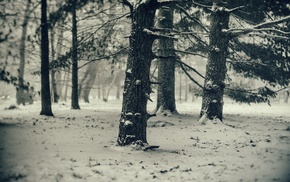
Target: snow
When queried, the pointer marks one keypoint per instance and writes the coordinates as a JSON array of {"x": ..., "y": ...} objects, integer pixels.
[{"x": 80, "y": 145}]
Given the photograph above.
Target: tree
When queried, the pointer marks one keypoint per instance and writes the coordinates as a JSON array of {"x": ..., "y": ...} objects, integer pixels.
[
  {"x": 212, "y": 102},
  {"x": 134, "y": 116},
  {"x": 74, "y": 97},
  {"x": 220, "y": 36},
  {"x": 45, "y": 87},
  {"x": 90, "y": 77},
  {"x": 20, "y": 96},
  {"x": 166, "y": 64}
]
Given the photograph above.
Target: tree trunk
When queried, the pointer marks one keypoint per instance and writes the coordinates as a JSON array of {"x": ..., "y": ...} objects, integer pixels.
[
  {"x": 53, "y": 80},
  {"x": 20, "y": 96},
  {"x": 45, "y": 87},
  {"x": 134, "y": 116},
  {"x": 66, "y": 82},
  {"x": 212, "y": 100},
  {"x": 90, "y": 81},
  {"x": 74, "y": 96},
  {"x": 166, "y": 65},
  {"x": 286, "y": 96}
]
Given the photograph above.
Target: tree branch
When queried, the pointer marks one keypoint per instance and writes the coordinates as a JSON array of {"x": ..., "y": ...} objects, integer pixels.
[
  {"x": 103, "y": 57},
  {"x": 127, "y": 3},
  {"x": 191, "y": 53},
  {"x": 191, "y": 17},
  {"x": 260, "y": 27},
  {"x": 234, "y": 9},
  {"x": 158, "y": 35},
  {"x": 182, "y": 63},
  {"x": 188, "y": 75}
]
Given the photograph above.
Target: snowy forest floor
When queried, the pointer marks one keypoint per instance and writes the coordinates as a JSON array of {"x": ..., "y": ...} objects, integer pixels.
[{"x": 80, "y": 145}]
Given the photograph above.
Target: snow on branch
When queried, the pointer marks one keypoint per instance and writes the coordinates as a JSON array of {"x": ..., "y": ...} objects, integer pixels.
[
  {"x": 274, "y": 22},
  {"x": 234, "y": 9},
  {"x": 262, "y": 27},
  {"x": 158, "y": 35},
  {"x": 268, "y": 36}
]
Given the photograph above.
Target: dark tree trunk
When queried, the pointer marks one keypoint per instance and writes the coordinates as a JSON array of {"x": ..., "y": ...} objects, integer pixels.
[
  {"x": 20, "y": 95},
  {"x": 134, "y": 116},
  {"x": 45, "y": 87},
  {"x": 74, "y": 96},
  {"x": 166, "y": 65},
  {"x": 212, "y": 100}
]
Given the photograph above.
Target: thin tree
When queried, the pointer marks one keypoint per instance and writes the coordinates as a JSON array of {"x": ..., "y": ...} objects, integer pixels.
[
  {"x": 74, "y": 96},
  {"x": 45, "y": 87},
  {"x": 20, "y": 97}
]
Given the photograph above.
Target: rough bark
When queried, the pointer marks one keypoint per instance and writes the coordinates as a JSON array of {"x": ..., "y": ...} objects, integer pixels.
[
  {"x": 74, "y": 96},
  {"x": 212, "y": 100},
  {"x": 166, "y": 65},
  {"x": 20, "y": 95},
  {"x": 45, "y": 87},
  {"x": 134, "y": 116}
]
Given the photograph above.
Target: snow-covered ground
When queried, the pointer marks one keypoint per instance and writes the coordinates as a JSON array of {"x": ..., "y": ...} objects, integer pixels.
[{"x": 80, "y": 145}]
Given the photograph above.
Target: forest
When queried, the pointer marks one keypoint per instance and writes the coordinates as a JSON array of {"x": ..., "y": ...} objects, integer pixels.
[{"x": 138, "y": 90}]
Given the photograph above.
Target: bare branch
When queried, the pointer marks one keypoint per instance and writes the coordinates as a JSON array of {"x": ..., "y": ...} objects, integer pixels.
[
  {"x": 191, "y": 53},
  {"x": 127, "y": 3},
  {"x": 190, "y": 77},
  {"x": 103, "y": 57},
  {"x": 191, "y": 17},
  {"x": 182, "y": 63}
]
